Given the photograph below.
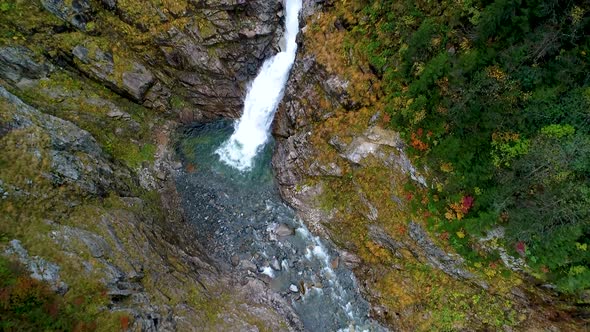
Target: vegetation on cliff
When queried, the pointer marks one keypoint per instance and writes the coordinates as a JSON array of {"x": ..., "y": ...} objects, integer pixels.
[
  {"x": 27, "y": 304},
  {"x": 492, "y": 97}
]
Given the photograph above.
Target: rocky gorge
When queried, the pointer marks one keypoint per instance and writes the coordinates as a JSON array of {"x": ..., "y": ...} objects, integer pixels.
[{"x": 104, "y": 201}]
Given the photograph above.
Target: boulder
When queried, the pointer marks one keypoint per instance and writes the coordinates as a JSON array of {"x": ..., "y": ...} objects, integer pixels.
[
  {"x": 125, "y": 76},
  {"x": 75, "y": 156},
  {"x": 40, "y": 268},
  {"x": 76, "y": 12},
  {"x": 18, "y": 63}
]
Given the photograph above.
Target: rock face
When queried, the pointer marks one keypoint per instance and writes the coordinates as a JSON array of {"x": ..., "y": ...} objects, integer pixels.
[
  {"x": 18, "y": 63},
  {"x": 195, "y": 57},
  {"x": 308, "y": 83},
  {"x": 87, "y": 171},
  {"x": 134, "y": 81},
  {"x": 76, "y": 157},
  {"x": 76, "y": 12},
  {"x": 40, "y": 268}
]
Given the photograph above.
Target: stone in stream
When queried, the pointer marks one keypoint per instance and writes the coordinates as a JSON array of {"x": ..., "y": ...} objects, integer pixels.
[
  {"x": 249, "y": 266},
  {"x": 235, "y": 260},
  {"x": 283, "y": 230},
  {"x": 293, "y": 288},
  {"x": 335, "y": 263},
  {"x": 302, "y": 286},
  {"x": 275, "y": 264}
]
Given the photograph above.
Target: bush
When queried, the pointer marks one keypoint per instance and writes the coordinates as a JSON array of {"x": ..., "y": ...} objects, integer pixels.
[{"x": 27, "y": 304}]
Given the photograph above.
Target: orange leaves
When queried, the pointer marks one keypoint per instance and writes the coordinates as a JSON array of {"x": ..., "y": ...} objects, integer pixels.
[
  {"x": 455, "y": 211},
  {"x": 459, "y": 209},
  {"x": 446, "y": 167},
  {"x": 190, "y": 168},
  {"x": 124, "y": 323},
  {"x": 401, "y": 229},
  {"x": 496, "y": 73},
  {"x": 416, "y": 140}
]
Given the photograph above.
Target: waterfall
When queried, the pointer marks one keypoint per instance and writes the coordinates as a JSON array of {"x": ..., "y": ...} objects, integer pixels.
[{"x": 265, "y": 93}]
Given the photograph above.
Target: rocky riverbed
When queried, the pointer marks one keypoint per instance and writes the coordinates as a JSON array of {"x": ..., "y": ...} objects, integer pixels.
[{"x": 241, "y": 220}]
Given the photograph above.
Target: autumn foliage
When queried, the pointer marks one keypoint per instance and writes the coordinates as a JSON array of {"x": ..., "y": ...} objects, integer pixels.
[
  {"x": 27, "y": 304},
  {"x": 416, "y": 140},
  {"x": 459, "y": 209}
]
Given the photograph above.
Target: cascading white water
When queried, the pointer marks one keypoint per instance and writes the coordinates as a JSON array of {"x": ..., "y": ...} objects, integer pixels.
[{"x": 265, "y": 93}]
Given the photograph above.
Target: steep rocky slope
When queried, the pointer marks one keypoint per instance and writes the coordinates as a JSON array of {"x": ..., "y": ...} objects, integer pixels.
[
  {"x": 339, "y": 163},
  {"x": 90, "y": 95}
]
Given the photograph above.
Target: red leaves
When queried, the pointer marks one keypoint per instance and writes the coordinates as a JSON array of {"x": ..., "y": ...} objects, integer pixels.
[
  {"x": 459, "y": 209},
  {"x": 401, "y": 229},
  {"x": 78, "y": 301},
  {"x": 386, "y": 118},
  {"x": 52, "y": 309},
  {"x": 520, "y": 248},
  {"x": 467, "y": 203}
]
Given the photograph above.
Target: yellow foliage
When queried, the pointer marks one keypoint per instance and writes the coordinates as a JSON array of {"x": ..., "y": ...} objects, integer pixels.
[
  {"x": 446, "y": 167},
  {"x": 450, "y": 215},
  {"x": 496, "y": 72},
  {"x": 379, "y": 253}
]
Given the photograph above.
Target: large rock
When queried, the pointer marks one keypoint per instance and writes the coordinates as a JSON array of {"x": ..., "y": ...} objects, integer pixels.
[
  {"x": 201, "y": 53},
  {"x": 75, "y": 156},
  {"x": 76, "y": 12},
  {"x": 308, "y": 84},
  {"x": 39, "y": 268},
  {"x": 219, "y": 52},
  {"x": 123, "y": 75},
  {"x": 18, "y": 63}
]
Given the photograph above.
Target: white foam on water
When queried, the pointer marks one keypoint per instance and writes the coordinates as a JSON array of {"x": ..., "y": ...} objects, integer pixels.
[
  {"x": 285, "y": 265},
  {"x": 265, "y": 93},
  {"x": 268, "y": 271}
]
